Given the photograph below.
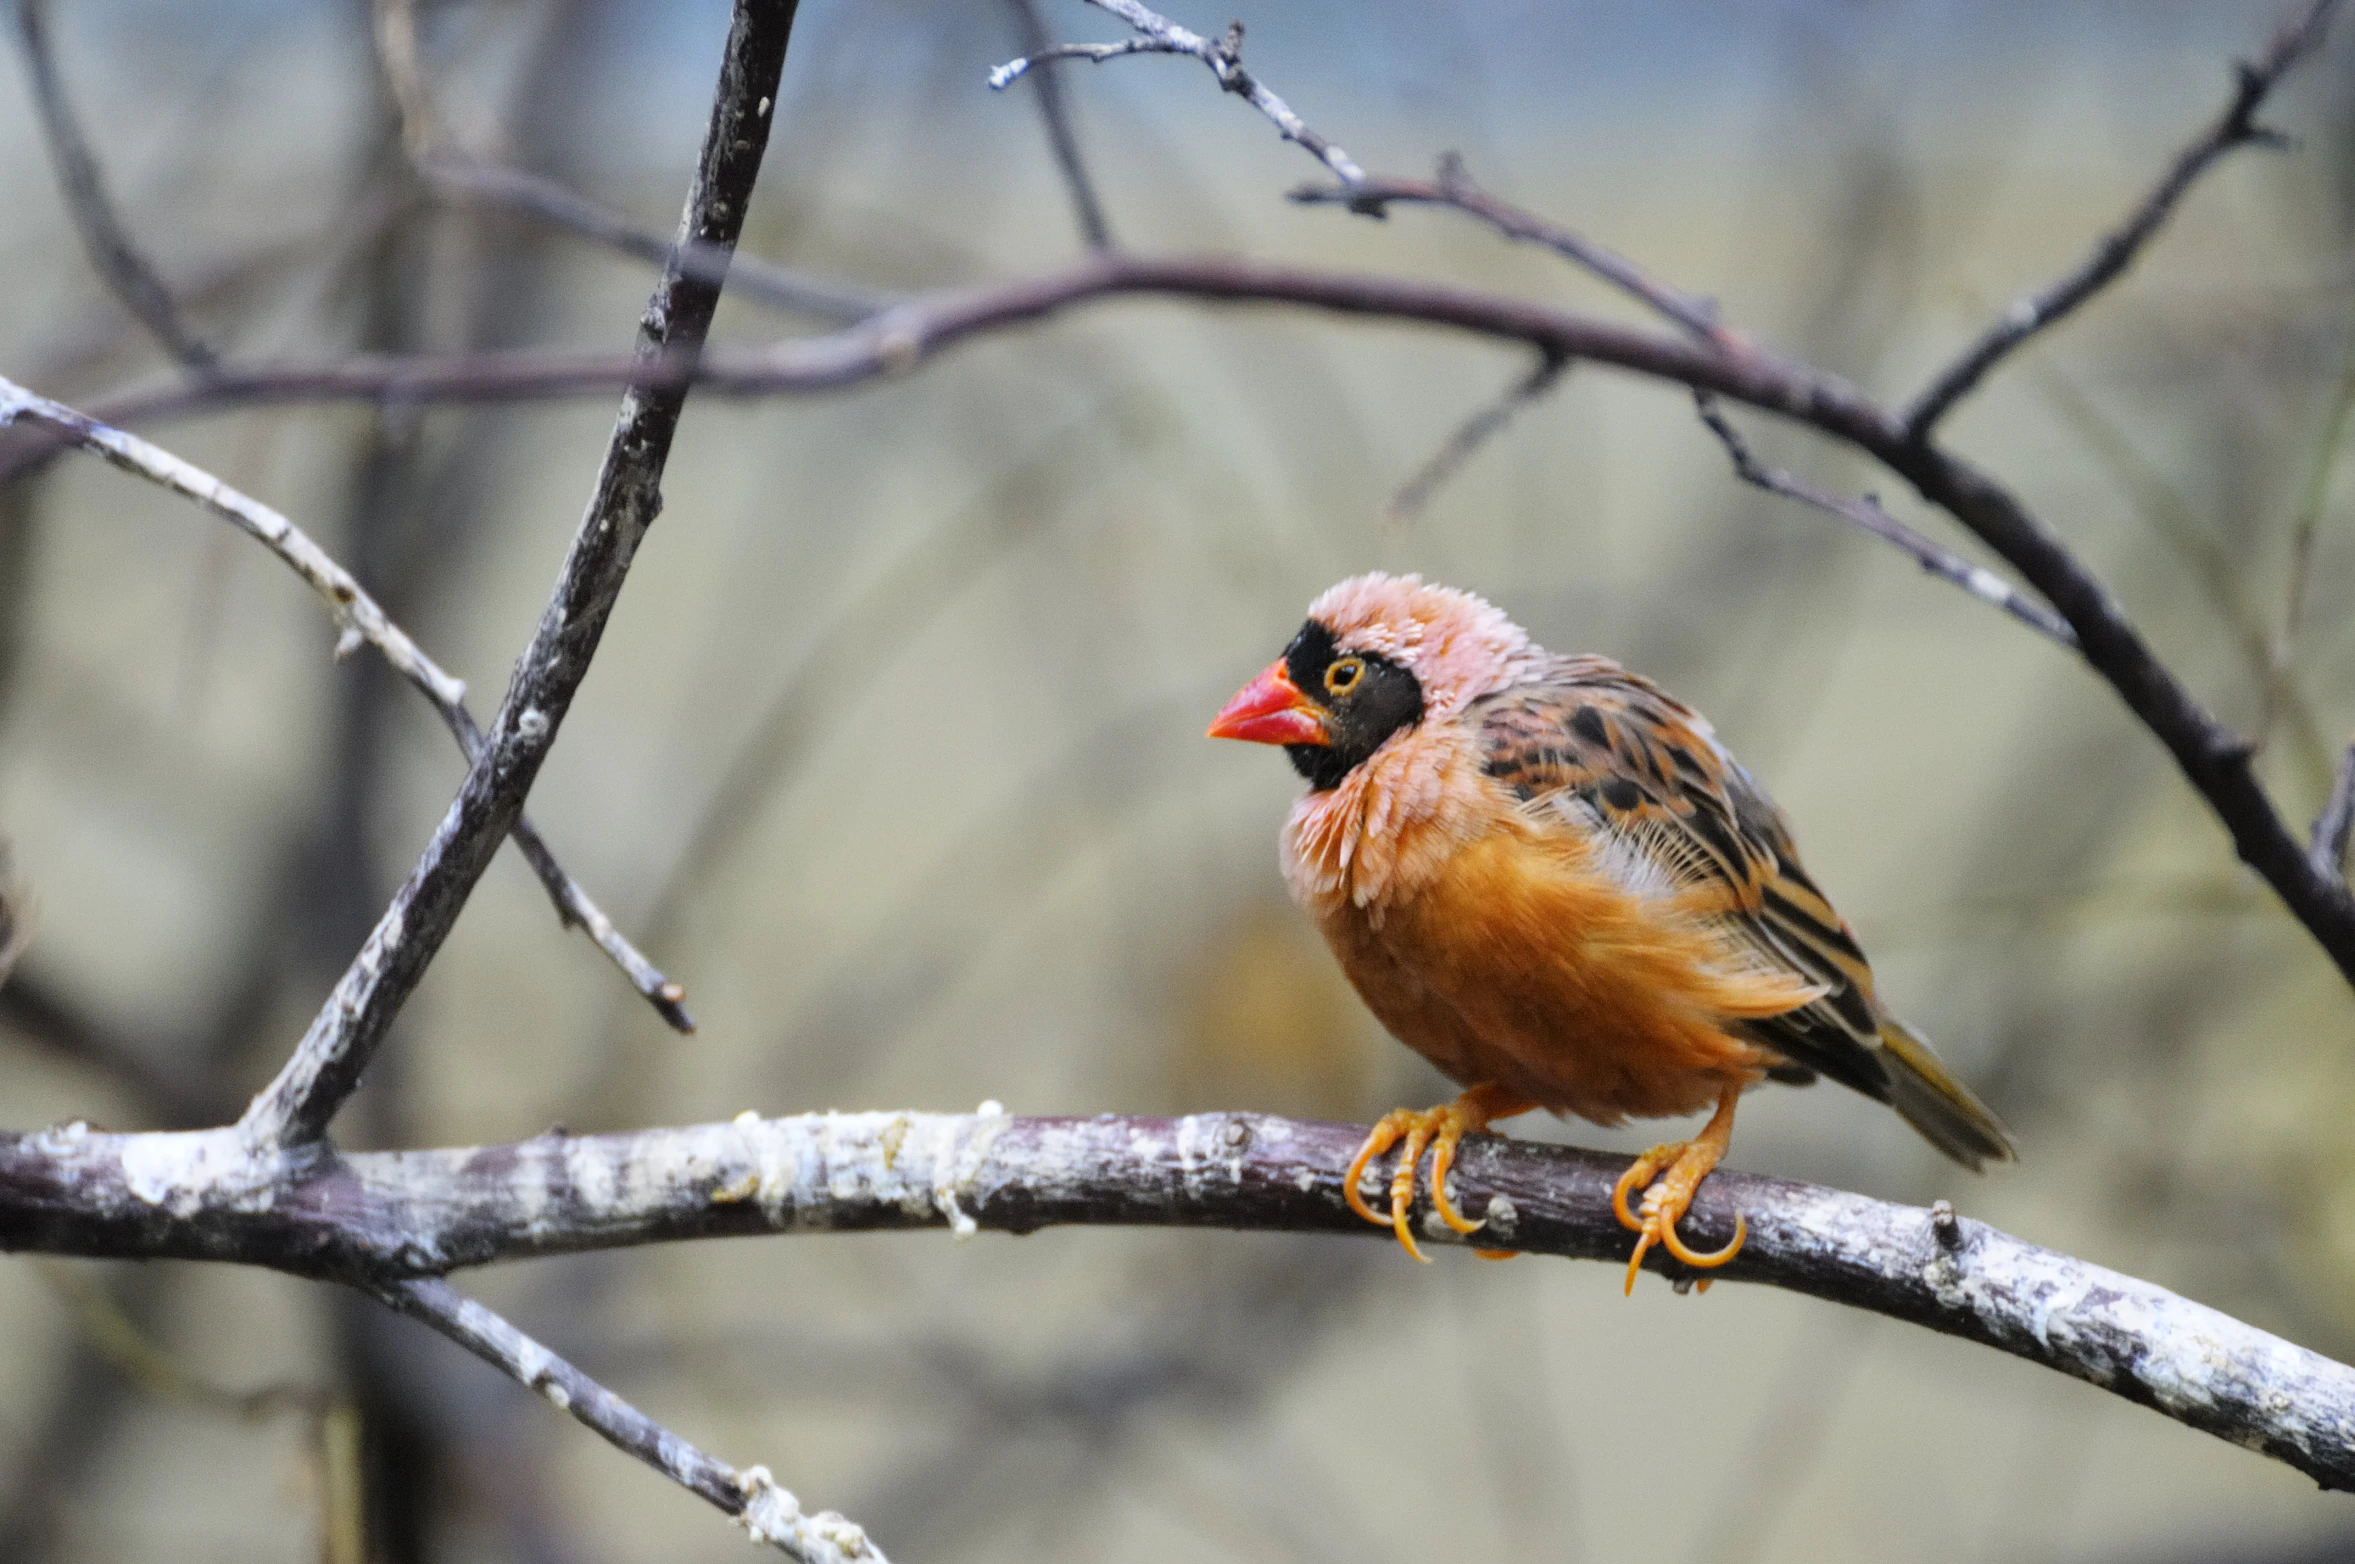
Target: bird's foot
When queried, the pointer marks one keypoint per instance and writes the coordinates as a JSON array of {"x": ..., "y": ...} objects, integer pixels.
[
  {"x": 1679, "y": 1166},
  {"x": 1441, "y": 1129}
]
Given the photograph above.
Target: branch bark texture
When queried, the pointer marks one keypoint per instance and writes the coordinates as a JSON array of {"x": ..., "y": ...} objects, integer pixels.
[
  {"x": 381, "y": 1220},
  {"x": 296, "y": 1107}
]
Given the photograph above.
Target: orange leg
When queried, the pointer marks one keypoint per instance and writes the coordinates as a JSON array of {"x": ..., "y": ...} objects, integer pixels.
[
  {"x": 1441, "y": 1129},
  {"x": 1680, "y": 1166}
]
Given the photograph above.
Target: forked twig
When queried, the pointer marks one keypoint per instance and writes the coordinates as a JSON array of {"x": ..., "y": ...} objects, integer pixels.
[
  {"x": 2299, "y": 34},
  {"x": 1865, "y": 514},
  {"x": 360, "y": 621},
  {"x": 769, "y": 1512}
]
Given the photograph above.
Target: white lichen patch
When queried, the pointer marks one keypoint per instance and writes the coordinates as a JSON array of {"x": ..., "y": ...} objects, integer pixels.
[
  {"x": 186, "y": 1170},
  {"x": 773, "y": 1515}
]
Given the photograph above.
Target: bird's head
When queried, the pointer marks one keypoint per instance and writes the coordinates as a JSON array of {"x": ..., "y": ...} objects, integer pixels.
[{"x": 1378, "y": 654}]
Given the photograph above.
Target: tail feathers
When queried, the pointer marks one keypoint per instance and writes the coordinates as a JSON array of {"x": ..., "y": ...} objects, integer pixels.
[{"x": 1941, "y": 1107}]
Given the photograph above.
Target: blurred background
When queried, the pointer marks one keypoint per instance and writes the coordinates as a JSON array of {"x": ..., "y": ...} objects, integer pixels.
[{"x": 893, "y": 757}]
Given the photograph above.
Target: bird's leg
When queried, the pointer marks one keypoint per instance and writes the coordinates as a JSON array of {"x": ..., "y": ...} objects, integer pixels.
[
  {"x": 1440, "y": 1128},
  {"x": 1680, "y": 1166}
]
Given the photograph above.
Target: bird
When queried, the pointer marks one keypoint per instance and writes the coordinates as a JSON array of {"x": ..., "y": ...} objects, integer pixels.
[{"x": 1548, "y": 877}]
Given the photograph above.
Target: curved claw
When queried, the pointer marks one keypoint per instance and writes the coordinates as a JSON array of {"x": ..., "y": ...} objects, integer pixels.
[
  {"x": 1440, "y": 1130},
  {"x": 1676, "y": 1246},
  {"x": 1384, "y": 1136},
  {"x": 1639, "y": 1175}
]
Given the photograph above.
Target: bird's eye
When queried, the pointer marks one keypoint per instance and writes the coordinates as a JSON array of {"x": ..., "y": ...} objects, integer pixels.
[{"x": 1344, "y": 674}]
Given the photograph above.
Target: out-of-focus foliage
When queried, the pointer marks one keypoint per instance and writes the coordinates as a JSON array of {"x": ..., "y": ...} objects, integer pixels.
[{"x": 893, "y": 755}]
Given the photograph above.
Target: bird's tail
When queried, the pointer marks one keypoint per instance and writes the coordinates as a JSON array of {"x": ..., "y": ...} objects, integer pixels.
[{"x": 1941, "y": 1107}]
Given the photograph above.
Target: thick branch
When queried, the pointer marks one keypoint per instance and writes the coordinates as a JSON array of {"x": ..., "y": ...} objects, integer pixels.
[
  {"x": 2299, "y": 34},
  {"x": 381, "y": 1218},
  {"x": 359, "y": 621},
  {"x": 770, "y": 1513},
  {"x": 326, "y": 1066}
]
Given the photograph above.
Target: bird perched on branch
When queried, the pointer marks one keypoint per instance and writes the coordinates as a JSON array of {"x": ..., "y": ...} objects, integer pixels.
[{"x": 1546, "y": 876}]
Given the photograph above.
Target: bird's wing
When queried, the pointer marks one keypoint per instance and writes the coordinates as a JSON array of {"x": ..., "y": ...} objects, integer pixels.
[{"x": 1639, "y": 774}]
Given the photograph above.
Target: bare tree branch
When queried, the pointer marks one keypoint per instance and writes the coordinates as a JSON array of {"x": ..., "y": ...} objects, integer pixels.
[
  {"x": 2332, "y": 827},
  {"x": 116, "y": 259},
  {"x": 770, "y": 1513},
  {"x": 748, "y": 276},
  {"x": 1866, "y": 515},
  {"x": 2299, "y": 34},
  {"x": 294, "y": 1109},
  {"x": 359, "y": 621},
  {"x": 1054, "y": 107},
  {"x": 1454, "y": 188},
  {"x": 2213, "y": 758},
  {"x": 1159, "y": 35},
  {"x": 381, "y": 1220},
  {"x": 1469, "y": 436}
]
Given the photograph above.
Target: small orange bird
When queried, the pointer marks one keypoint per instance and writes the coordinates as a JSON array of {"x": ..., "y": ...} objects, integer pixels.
[{"x": 1546, "y": 876}]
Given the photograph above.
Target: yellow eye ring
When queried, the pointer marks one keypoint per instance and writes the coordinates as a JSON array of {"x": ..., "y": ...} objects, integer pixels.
[{"x": 1344, "y": 674}]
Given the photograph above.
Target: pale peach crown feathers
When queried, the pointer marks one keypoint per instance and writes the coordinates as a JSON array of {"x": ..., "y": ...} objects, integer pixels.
[{"x": 1459, "y": 647}]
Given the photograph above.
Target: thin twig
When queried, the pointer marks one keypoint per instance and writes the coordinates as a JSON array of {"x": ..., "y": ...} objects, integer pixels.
[
  {"x": 2214, "y": 759},
  {"x": 1454, "y": 188},
  {"x": 1474, "y": 432},
  {"x": 2299, "y": 34},
  {"x": 1054, "y": 107},
  {"x": 359, "y": 621},
  {"x": 294, "y": 1110},
  {"x": 381, "y": 1219},
  {"x": 1012, "y": 71},
  {"x": 1159, "y": 35},
  {"x": 2303, "y": 532},
  {"x": 117, "y": 260},
  {"x": 763, "y": 282},
  {"x": 751, "y": 1496},
  {"x": 1865, "y": 514}
]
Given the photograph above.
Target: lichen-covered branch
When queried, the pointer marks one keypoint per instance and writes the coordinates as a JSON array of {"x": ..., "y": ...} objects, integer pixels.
[
  {"x": 1157, "y": 34},
  {"x": 2299, "y": 34},
  {"x": 769, "y": 1512},
  {"x": 381, "y": 1219},
  {"x": 360, "y": 621},
  {"x": 296, "y": 1107}
]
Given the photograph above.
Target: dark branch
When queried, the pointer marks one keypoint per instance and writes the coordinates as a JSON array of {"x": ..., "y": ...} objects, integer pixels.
[
  {"x": 1867, "y": 515},
  {"x": 104, "y": 238},
  {"x": 296, "y": 1107},
  {"x": 1454, "y": 188},
  {"x": 1054, "y": 107},
  {"x": 2297, "y": 36},
  {"x": 751, "y": 1496},
  {"x": 2213, "y": 758},
  {"x": 382, "y": 1219}
]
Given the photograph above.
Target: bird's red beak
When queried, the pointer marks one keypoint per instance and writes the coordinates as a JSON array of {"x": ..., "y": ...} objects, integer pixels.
[{"x": 1270, "y": 710}]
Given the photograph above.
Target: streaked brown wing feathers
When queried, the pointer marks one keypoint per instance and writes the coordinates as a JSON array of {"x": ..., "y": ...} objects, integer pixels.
[{"x": 1604, "y": 750}]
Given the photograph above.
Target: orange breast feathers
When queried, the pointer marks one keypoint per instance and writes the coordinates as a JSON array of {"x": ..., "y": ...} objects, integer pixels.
[{"x": 1495, "y": 944}]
